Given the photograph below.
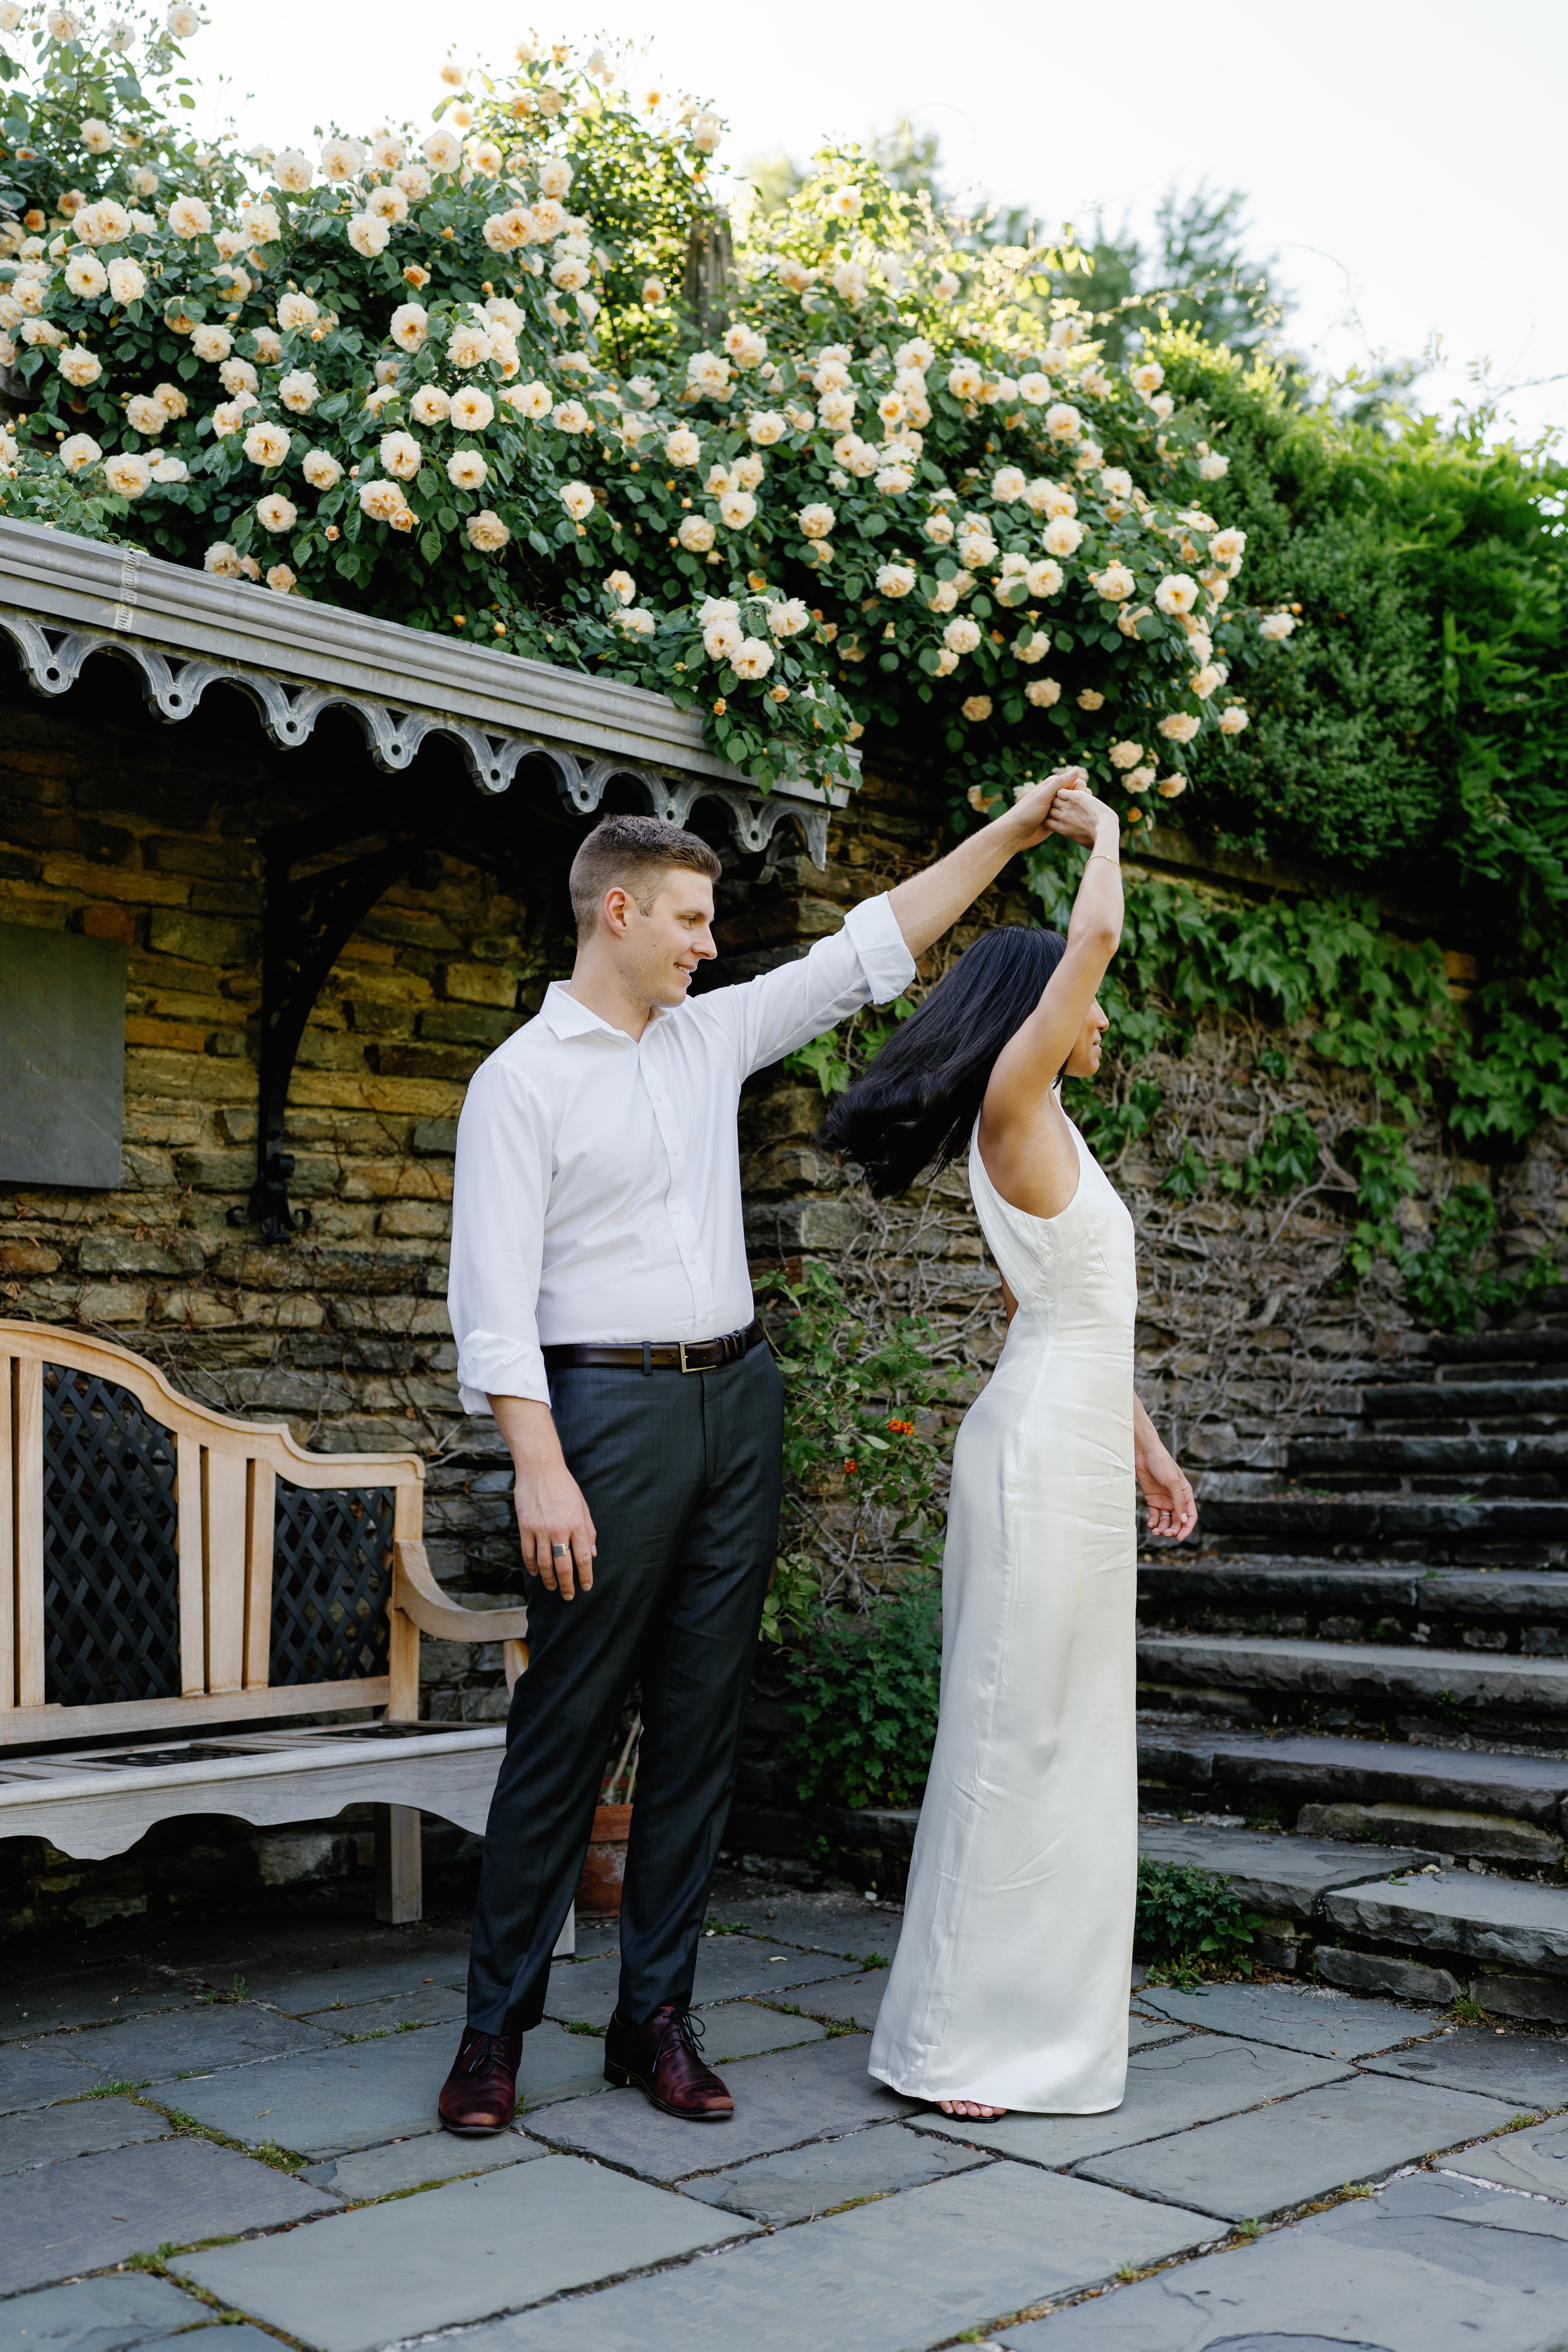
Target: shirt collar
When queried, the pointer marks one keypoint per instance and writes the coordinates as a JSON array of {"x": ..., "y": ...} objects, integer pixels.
[{"x": 568, "y": 1018}]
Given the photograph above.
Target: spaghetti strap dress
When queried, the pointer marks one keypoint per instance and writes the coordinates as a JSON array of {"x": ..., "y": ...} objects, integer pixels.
[{"x": 1010, "y": 1983}]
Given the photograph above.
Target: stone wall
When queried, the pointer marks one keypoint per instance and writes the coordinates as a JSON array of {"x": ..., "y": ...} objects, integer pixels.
[{"x": 115, "y": 825}]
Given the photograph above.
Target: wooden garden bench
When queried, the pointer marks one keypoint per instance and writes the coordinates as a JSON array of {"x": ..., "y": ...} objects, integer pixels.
[{"x": 166, "y": 1570}]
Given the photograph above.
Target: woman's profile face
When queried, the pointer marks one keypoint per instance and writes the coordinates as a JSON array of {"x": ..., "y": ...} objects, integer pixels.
[{"x": 1084, "y": 1060}]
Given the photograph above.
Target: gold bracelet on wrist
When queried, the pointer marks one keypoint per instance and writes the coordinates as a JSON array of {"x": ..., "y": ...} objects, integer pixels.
[{"x": 1106, "y": 858}]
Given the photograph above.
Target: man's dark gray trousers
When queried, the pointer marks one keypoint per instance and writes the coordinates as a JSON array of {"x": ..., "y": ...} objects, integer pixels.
[{"x": 681, "y": 1473}]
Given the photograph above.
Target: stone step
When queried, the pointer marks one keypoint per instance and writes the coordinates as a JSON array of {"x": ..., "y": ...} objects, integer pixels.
[
  {"x": 1457, "y": 1460},
  {"x": 1446, "y": 1527},
  {"x": 1340, "y": 1601},
  {"x": 1543, "y": 1346},
  {"x": 1413, "y": 1926},
  {"x": 1461, "y": 1802},
  {"x": 1256, "y": 1679},
  {"x": 1465, "y": 1400}
]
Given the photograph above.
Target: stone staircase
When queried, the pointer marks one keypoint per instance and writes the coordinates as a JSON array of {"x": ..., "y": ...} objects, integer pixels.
[{"x": 1354, "y": 1691}]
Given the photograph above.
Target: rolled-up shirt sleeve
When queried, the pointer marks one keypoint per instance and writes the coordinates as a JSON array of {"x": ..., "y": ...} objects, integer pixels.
[
  {"x": 865, "y": 962},
  {"x": 500, "y": 1198}
]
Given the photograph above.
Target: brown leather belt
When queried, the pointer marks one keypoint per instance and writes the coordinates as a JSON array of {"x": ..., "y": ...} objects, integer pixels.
[{"x": 660, "y": 1355}]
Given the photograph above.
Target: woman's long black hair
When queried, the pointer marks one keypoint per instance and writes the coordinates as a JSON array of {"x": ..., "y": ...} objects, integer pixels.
[{"x": 919, "y": 1100}]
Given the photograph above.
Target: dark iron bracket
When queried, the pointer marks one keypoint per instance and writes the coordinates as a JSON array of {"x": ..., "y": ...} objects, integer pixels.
[{"x": 308, "y": 920}]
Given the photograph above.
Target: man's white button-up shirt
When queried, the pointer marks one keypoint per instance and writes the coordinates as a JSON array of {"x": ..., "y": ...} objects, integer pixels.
[{"x": 598, "y": 1182}]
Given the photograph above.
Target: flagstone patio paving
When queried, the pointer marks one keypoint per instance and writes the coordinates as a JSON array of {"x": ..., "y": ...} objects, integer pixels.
[{"x": 273, "y": 2153}]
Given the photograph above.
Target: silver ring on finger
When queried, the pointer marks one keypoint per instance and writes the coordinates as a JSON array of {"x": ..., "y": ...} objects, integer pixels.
[{"x": 559, "y": 1551}]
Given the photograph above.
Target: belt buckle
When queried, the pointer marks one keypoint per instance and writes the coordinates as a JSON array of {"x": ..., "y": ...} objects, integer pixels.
[{"x": 682, "y": 1345}]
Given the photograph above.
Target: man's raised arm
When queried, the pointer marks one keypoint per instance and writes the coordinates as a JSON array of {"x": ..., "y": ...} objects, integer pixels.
[{"x": 931, "y": 902}]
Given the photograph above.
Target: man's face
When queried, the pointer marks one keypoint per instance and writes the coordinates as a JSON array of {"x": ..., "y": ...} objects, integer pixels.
[{"x": 657, "y": 952}]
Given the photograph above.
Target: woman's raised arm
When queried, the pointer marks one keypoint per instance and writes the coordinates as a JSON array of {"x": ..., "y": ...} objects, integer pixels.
[{"x": 1032, "y": 1057}]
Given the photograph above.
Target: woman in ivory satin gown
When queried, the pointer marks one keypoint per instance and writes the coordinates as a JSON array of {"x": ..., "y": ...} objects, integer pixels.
[{"x": 1010, "y": 1985}]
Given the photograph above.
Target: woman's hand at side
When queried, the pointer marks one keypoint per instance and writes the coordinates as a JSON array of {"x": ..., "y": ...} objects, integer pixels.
[{"x": 1172, "y": 1505}]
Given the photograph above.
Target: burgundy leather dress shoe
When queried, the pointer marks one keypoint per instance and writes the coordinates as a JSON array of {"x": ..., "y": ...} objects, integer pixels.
[
  {"x": 664, "y": 2058},
  {"x": 480, "y": 2094}
]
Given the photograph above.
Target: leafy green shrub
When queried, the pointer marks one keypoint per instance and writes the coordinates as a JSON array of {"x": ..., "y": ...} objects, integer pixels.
[
  {"x": 863, "y": 1693},
  {"x": 1189, "y": 1923}
]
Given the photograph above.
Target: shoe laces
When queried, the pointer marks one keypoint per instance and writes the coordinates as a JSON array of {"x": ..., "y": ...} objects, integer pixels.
[
  {"x": 683, "y": 2026},
  {"x": 480, "y": 2053}
]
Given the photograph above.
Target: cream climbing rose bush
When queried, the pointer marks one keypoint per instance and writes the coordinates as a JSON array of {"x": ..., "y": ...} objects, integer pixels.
[{"x": 893, "y": 491}]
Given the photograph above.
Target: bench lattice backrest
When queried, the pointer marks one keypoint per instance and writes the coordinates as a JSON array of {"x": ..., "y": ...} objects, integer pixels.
[{"x": 162, "y": 1562}]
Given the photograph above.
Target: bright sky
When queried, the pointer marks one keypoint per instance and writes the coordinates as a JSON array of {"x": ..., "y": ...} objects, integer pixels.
[{"x": 1403, "y": 158}]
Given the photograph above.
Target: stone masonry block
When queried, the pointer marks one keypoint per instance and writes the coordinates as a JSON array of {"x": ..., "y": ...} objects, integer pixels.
[
  {"x": 482, "y": 984},
  {"x": 1372, "y": 1972},
  {"x": 202, "y": 939}
]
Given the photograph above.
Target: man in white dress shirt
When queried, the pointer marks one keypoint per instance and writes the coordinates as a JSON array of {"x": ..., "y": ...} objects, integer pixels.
[{"x": 603, "y": 1313}]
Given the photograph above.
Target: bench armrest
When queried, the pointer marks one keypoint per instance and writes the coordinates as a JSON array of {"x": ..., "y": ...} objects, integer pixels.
[{"x": 416, "y": 1591}]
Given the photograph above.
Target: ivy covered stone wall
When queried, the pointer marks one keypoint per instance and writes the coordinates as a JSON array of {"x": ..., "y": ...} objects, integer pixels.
[{"x": 114, "y": 825}]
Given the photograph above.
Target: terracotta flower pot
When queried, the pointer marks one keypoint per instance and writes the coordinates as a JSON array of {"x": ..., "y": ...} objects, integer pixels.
[{"x": 604, "y": 1864}]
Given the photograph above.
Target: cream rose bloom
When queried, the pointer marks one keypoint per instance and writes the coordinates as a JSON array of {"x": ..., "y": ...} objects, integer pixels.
[
  {"x": 1180, "y": 726},
  {"x": 555, "y": 176},
  {"x": 296, "y": 312},
  {"x": 722, "y": 636},
  {"x": 1146, "y": 378},
  {"x": 637, "y": 623},
  {"x": 788, "y": 617},
  {"x": 960, "y": 634},
  {"x": 696, "y": 534},
  {"x": 400, "y": 453},
  {"x": 487, "y": 532},
  {"x": 817, "y": 520},
  {"x": 77, "y": 454},
  {"x": 222, "y": 560},
  {"x": 1213, "y": 468},
  {"x": 259, "y": 223},
  {"x": 1204, "y": 681},
  {"x": 145, "y": 414},
  {"x": 939, "y": 528},
  {"x": 794, "y": 275},
  {"x": 709, "y": 375},
  {"x": 745, "y": 346},
  {"x": 682, "y": 446},
  {"x": 1115, "y": 583},
  {"x": 86, "y": 276},
  {"x": 267, "y": 443},
  {"x": 430, "y": 406},
  {"x": 382, "y": 501},
  {"x": 895, "y": 580},
  {"x": 766, "y": 427},
  {"x": 170, "y": 399},
  {"x": 171, "y": 469},
  {"x": 266, "y": 346},
  {"x": 748, "y": 472},
  {"x": 895, "y": 478},
  {"x": 1042, "y": 692},
  {"x": 977, "y": 707},
  {"x": 1062, "y": 537},
  {"x": 127, "y": 279},
  {"x": 1033, "y": 645},
  {"x": 127, "y": 475},
  {"x": 367, "y": 234},
  {"x": 530, "y": 400},
  {"x": 835, "y": 410},
  {"x": 188, "y": 218},
  {"x": 1276, "y": 627},
  {"x": 321, "y": 470},
  {"x": 1232, "y": 720},
  {"x": 1125, "y": 755},
  {"x": 754, "y": 659},
  {"x": 298, "y": 390},
  {"x": 1172, "y": 788},
  {"x": 443, "y": 151},
  {"x": 293, "y": 171},
  {"x": 1127, "y": 620},
  {"x": 237, "y": 376},
  {"x": 408, "y": 326},
  {"x": 976, "y": 545},
  {"x": 80, "y": 367},
  {"x": 1228, "y": 546},
  {"x": 467, "y": 469},
  {"x": 737, "y": 509},
  {"x": 472, "y": 409},
  {"x": 1063, "y": 422},
  {"x": 965, "y": 380},
  {"x": 1176, "y": 593},
  {"x": 211, "y": 343},
  {"x": 469, "y": 345},
  {"x": 578, "y": 500},
  {"x": 275, "y": 512},
  {"x": 1006, "y": 484},
  {"x": 943, "y": 597},
  {"x": 1035, "y": 389}
]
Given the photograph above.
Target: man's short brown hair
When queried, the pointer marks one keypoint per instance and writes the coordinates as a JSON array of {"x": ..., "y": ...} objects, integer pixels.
[{"x": 632, "y": 853}]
